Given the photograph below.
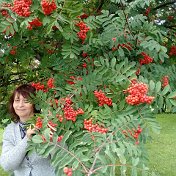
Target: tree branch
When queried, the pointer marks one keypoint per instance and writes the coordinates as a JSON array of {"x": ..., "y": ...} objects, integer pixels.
[
  {"x": 170, "y": 27},
  {"x": 164, "y": 4}
]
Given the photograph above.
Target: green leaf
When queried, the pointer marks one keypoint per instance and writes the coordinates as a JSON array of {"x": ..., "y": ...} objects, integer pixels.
[
  {"x": 121, "y": 52},
  {"x": 66, "y": 136},
  {"x": 152, "y": 85},
  {"x": 46, "y": 133},
  {"x": 46, "y": 20},
  {"x": 172, "y": 95},
  {"x": 75, "y": 164},
  {"x": 120, "y": 78},
  {"x": 130, "y": 73},
  {"x": 122, "y": 158},
  {"x": 113, "y": 63},
  {"x": 42, "y": 148},
  {"x": 15, "y": 26},
  {"x": 173, "y": 102},
  {"x": 37, "y": 139},
  {"x": 48, "y": 151},
  {"x": 158, "y": 87},
  {"x": 72, "y": 55},
  {"x": 165, "y": 90},
  {"x": 160, "y": 102},
  {"x": 135, "y": 161}
]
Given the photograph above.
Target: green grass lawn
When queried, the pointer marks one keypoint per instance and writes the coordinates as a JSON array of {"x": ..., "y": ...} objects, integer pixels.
[{"x": 162, "y": 149}]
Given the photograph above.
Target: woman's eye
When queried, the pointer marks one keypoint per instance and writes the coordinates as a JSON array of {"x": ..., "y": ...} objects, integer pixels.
[{"x": 16, "y": 100}]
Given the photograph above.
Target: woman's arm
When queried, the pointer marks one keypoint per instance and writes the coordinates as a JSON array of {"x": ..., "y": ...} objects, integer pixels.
[{"x": 12, "y": 155}]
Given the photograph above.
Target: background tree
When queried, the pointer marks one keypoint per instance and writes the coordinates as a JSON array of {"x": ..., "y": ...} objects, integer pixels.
[{"x": 100, "y": 71}]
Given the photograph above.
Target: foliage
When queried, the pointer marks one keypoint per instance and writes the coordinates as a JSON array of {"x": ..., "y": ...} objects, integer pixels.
[{"x": 99, "y": 57}]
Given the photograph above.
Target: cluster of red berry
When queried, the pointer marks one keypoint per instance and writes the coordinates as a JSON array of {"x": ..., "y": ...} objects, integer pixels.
[
  {"x": 102, "y": 99},
  {"x": 137, "y": 94},
  {"x": 50, "y": 51},
  {"x": 50, "y": 83},
  {"x": 172, "y": 51},
  {"x": 68, "y": 171},
  {"x": 60, "y": 138},
  {"x": 147, "y": 11},
  {"x": 128, "y": 46},
  {"x": 146, "y": 59},
  {"x": 138, "y": 71},
  {"x": 83, "y": 16},
  {"x": 48, "y": 6},
  {"x": 170, "y": 17},
  {"x": 22, "y": 7},
  {"x": 34, "y": 23},
  {"x": 13, "y": 50},
  {"x": 73, "y": 79},
  {"x": 59, "y": 117},
  {"x": 39, "y": 86},
  {"x": 165, "y": 81},
  {"x": 88, "y": 125},
  {"x": 69, "y": 112},
  {"x": 39, "y": 123},
  {"x": 83, "y": 30},
  {"x": 134, "y": 133},
  {"x": 84, "y": 54},
  {"x": 4, "y": 13},
  {"x": 51, "y": 125},
  {"x": 5, "y": 4}
]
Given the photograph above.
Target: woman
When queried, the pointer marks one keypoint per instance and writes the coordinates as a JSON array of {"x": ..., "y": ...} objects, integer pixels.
[{"x": 14, "y": 156}]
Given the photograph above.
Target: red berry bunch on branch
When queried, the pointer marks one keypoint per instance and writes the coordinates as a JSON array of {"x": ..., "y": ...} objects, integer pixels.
[
  {"x": 165, "y": 81},
  {"x": 127, "y": 46},
  {"x": 138, "y": 94},
  {"x": 38, "y": 86},
  {"x": 4, "y": 13},
  {"x": 50, "y": 83},
  {"x": 39, "y": 123},
  {"x": 34, "y": 23},
  {"x": 13, "y": 51},
  {"x": 48, "y": 6},
  {"x": 147, "y": 11},
  {"x": 68, "y": 171},
  {"x": 3, "y": 10},
  {"x": 172, "y": 51},
  {"x": 88, "y": 125},
  {"x": 22, "y": 7},
  {"x": 69, "y": 112},
  {"x": 52, "y": 126},
  {"x": 102, "y": 99},
  {"x": 134, "y": 133},
  {"x": 73, "y": 79},
  {"x": 146, "y": 59},
  {"x": 84, "y": 54},
  {"x": 83, "y": 30},
  {"x": 138, "y": 71},
  {"x": 170, "y": 17},
  {"x": 83, "y": 16}
]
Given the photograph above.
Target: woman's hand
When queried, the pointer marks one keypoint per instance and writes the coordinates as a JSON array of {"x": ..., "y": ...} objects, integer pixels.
[{"x": 30, "y": 131}]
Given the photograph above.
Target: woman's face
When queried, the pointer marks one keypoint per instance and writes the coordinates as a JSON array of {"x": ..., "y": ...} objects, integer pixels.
[{"x": 22, "y": 107}]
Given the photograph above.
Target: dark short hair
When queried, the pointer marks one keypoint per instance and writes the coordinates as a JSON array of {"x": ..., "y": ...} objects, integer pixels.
[{"x": 25, "y": 90}]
